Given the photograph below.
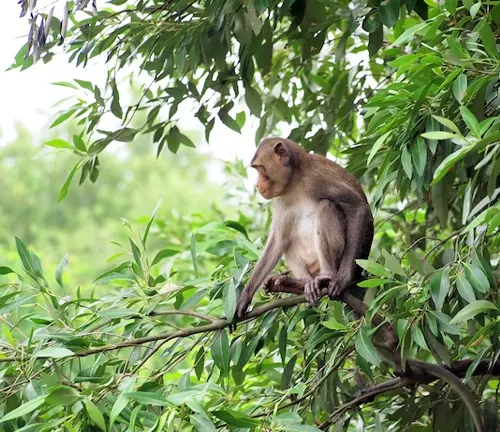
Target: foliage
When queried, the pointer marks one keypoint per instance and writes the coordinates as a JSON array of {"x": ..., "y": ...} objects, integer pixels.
[
  {"x": 426, "y": 145},
  {"x": 87, "y": 221}
]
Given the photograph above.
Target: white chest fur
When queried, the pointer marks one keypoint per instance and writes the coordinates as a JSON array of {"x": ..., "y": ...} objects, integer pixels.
[
  {"x": 304, "y": 222},
  {"x": 303, "y": 248}
]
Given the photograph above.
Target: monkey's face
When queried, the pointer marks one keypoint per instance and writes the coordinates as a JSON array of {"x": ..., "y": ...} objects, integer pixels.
[
  {"x": 273, "y": 174},
  {"x": 264, "y": 183}
]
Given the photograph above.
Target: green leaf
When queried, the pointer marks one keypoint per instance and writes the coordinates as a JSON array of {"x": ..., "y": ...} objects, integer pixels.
[
  {"x": 459, "y": 87},
  {"x": 199, "y": 362},
  {"x": 164, "y": 253},
  {"x": 121, "y": 402},
  {"x": 470, "y": 121},
  {"x": 439, "y": 351},
  {"x": 116, "y": 109},
  {"x": 473, "y": 309},
  {"x": 24, "y": 409},
  {"x": 236, "y": 418},
  {"x": 63, "y": 396},
  {"x": 494, "y": 174},
  {"x": 286, "y": 377},
  {"x": 301, "y": 428},
  {"x": 474, "y": 9},
  {"x": 25, "y": 255},
  {"x": 202, "y": 423},
  {"x": 85, "y": 84},
  {"x": 375, "y": 40},
  {"x": 241, "y": 119},
  {"x": 59, "y": 143},
  {"x": 193, "y": 254},
  {"x": 419, "y": 155},
  {"x": 230, "y": 301},
  {"x": 64, "y": 190},
  {"x": 65, "y": 84},
  {"x": 477, "y": 278},
  {"x": 416, "y": 264},
  {"x": 334, "y": 325},
  {"x": 220, "y": 351},
  {"x": 408, "y": 34},
  {"x": 488, "y": 39},
  {"x": 60, "y": 269},
  {"x": 147, "y": 398},
  {"x": 440, "y": 286},
  {"x": 365, "y": 348},
  {"x": 95, "y": 414},
  {"x": 253, "y": 100},
  {"x": 282, "y": 343},
  {"x": 370, "y": 283},
  {"x": 451, "y": 5},
  {"x": 418, "y": 336},
  {"x": 79, "y": 143},
  {"x": 406, "y": 162},
  {"x": 449, "y": 162},
  {"x": 393, "y": 264},
  {"x": 136, "y": 253},
  {"x": 54, "y": 352},
  {"x": 150, "y": 222},
  {"x": 389, "y": 12},
  {"x": 373, "y": 267},
  {"x": 438, "y": 135},
  {"x": 288, "y": 418},
  {"x": 479, "y": 261},
  {"x": 376, "y": 147},
  {"x": 62, "y": 118},
  {"x": 465, "y": 289},
  {"x": 448, "y": 123},
  {"x": 229, "y": 121},
  {"x": 5, "y": 270},
  {"x": 124, "y": 134}
]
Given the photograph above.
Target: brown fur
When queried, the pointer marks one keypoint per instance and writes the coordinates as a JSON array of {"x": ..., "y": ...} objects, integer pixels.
[{"x": 321, "y": 219}]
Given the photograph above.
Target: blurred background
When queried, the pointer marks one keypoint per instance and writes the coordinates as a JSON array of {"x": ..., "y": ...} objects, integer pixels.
[{"x": 86, "y": 223}]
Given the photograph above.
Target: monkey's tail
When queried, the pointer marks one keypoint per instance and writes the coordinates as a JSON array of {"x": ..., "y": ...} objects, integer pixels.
[{"x": 455, "y": 383}]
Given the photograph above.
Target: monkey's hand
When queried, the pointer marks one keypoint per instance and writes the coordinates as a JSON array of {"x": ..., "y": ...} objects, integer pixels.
[{"x": 243, "y": 303}]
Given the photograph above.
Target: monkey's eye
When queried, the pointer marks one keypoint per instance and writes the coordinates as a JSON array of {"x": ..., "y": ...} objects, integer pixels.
[{"x": 260, "y": 168}]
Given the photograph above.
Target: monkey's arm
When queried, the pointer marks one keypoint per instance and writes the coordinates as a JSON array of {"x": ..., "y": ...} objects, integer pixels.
[{"x": 268, "y": 260}]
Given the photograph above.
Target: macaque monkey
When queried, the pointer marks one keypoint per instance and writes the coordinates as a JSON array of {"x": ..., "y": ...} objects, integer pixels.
[{"x": 321, "y": 220}]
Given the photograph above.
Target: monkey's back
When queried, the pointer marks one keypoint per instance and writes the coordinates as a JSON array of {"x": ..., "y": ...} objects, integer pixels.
[{"x": 326, "y": 175}]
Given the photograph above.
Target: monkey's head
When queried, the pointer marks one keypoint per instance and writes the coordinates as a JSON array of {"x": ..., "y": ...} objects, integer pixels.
[{"x": 275, "y": 160}]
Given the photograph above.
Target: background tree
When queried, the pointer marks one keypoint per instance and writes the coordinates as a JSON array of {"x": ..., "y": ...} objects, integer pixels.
[{"x": 407, "y": 93}]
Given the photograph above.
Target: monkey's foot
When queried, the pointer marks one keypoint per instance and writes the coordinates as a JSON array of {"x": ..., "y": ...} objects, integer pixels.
[
  {"x": 274, "y": 281},
  {"x": 336, "y": 286}
]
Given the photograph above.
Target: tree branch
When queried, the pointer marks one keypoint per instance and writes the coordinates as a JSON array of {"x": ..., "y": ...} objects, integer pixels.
[
  {"x": 368, "y": 395},
  {"x": 183, "y": 312}
]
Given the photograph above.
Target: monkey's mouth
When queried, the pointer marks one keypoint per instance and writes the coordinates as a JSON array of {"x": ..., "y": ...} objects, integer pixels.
[{"x": 266, "y": 193}]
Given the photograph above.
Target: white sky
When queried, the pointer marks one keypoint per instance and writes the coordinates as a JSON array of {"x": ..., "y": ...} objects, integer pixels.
[{"x": 27, "y": 96}]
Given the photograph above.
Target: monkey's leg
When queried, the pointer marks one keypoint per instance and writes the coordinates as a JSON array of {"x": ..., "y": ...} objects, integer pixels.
[
  {"x": 358, "y": 240},
  {"x": 300, "y": 270},
  {"x": 330, "y": 243}
]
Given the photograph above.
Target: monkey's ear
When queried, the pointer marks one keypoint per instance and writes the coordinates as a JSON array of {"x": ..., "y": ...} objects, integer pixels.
[{"x": 283, "y": 153}]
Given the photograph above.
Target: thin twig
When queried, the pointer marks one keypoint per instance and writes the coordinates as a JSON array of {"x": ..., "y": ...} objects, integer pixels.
[
  {"x": 314, "y": 388},
  {"x": 183, "y": 312}
]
